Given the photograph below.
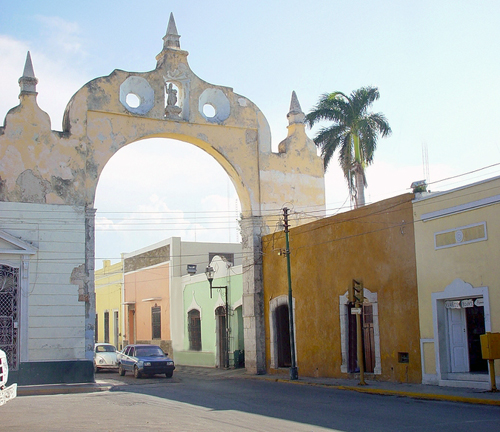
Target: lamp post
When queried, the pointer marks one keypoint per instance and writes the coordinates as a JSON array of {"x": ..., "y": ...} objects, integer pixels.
[
  {"x": 294, "y": 373},
  {"x": 210, "y": 273}
]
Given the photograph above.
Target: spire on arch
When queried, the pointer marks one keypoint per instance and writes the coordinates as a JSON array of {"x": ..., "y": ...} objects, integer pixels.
[
  {"x": 171, "y": 39},
  {"x": 295, "y": 115},
  {"x": 28, "y": 81}
]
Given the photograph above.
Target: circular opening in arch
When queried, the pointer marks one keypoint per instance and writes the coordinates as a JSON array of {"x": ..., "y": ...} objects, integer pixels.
[
  {"x": 133, "y": 101},
  {"x": 209, "y": 110}
]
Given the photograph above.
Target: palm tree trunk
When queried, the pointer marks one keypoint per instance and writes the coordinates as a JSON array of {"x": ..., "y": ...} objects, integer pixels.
[
  {"x": 359, "y": 176},
  {"x": 360, "y": 188}
]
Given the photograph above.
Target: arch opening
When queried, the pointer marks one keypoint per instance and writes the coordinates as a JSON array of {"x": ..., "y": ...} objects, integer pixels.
[{"x": 160, "y": 196}]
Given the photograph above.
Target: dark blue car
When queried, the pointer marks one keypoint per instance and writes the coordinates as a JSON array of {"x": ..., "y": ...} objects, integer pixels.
[{"x": 145, "y": 360}]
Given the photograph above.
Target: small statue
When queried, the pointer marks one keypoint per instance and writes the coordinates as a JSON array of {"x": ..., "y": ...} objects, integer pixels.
[
  {"x": 172, "y": 111},
  {"x": 172, "y": 95}
]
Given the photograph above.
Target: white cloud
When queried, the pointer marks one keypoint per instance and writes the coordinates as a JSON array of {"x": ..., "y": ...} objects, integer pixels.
[
  {"x": 58, "y": 78},
  {"x": 62, "y": 34},
  {"x": 13, "y": 55}
]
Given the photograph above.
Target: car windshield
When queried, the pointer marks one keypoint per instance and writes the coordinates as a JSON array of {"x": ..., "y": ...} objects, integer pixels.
[
  {"x": 105, "y": 348},
  {"x": 149, "y": 352}
]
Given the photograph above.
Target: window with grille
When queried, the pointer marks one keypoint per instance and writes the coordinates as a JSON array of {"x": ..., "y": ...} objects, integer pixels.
[
  {"x": 194, "y": 330},
  {"x": 156, "y": 322},
  {"x": 9, "y": 293}
]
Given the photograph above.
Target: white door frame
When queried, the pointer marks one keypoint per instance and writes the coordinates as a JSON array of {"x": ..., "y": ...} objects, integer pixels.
[{"x": 458, "y": 289}]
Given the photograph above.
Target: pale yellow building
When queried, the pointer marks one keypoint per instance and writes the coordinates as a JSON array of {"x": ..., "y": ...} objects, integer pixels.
[
  {"x": 457, "y": 237},
  {"x": 108, "y": 292}
]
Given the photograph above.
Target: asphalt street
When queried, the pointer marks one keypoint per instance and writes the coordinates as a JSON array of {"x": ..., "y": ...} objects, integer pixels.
[{"x": 220, "y": 402}]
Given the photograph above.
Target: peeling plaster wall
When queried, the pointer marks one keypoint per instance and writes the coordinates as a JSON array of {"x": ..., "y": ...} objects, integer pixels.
[
  {"x": 56, "y": 317},
  {"x": 44, "y": 166},
  {"x": 41, "y": 166}
]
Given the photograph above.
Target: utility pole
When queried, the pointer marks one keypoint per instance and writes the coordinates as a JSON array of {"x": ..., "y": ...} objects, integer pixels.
[{"x": 294, "y": 374}]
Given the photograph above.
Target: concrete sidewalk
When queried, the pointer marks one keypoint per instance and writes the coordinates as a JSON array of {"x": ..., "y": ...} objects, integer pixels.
[{"x": 416, "y": 391}]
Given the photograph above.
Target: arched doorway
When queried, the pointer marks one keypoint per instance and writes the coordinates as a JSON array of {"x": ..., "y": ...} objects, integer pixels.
[
  {"x": 222, "y": 338},
  {"x": 283, "y": 336}
]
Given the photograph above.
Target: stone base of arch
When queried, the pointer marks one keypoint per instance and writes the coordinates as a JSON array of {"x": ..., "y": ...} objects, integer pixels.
[{"x": 253, "y": 300}]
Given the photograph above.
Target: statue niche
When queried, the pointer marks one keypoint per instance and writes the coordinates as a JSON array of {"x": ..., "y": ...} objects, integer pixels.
[{"x": 172, "y": 111}]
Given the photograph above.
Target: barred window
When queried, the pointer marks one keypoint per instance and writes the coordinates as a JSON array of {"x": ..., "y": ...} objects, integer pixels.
[
  {"x": 194, "y": 330},
  {"x": 156, "y": 322},
  {"x": 9, "y": 297}
]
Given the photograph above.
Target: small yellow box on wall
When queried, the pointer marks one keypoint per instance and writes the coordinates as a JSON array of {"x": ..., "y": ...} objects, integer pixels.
[{"x": 490, "y": 346}]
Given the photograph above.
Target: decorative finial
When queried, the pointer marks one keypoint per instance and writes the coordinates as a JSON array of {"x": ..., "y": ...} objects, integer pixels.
[
  {"x": 28, "y": 81},
  {"x": 295, "y": 115},
  {"x": 171, "y": 39}
]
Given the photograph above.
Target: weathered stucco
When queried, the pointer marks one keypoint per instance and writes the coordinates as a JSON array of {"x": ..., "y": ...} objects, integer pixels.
[
  {"x": 374, "y": 244},
  {"x": 39, "y": 165}
]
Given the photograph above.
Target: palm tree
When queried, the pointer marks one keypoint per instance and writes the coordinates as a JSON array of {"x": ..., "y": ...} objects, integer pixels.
[{"x": 354, "y": 133}]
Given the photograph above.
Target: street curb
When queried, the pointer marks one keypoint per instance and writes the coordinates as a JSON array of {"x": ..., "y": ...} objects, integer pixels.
[
  {"x": 39, "y": 390},
  {"x": 413, "y": 395},
  {"x": 54, "y": 389}
]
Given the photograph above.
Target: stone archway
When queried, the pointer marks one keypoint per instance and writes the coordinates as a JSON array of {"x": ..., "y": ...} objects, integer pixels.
[{"x": 41, "y": 167}]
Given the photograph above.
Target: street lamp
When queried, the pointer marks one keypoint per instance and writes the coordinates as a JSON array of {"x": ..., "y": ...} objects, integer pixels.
[{"x": 210, "y": 273}]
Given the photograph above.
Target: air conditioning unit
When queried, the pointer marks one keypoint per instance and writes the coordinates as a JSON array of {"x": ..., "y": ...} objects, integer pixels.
[{"x": 191, "y": 269}]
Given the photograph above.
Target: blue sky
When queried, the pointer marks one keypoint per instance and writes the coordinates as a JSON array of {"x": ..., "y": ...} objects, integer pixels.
[{"x": 436, "y": 64}]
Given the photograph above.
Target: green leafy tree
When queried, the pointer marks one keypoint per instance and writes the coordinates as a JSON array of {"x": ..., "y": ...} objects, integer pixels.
[{"x": 354, "y": 133}]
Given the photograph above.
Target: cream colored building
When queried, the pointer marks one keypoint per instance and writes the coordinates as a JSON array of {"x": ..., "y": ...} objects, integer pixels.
[
  {"x": 457, "y": 235},
  {"x": 108, "y": 303}
]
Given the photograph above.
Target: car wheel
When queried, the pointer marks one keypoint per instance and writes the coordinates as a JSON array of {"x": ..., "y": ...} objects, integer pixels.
[
  {"x": 121, "y": 371},
  {"x": 169, "y": 374},
  {"x": 137, "y": 373}
]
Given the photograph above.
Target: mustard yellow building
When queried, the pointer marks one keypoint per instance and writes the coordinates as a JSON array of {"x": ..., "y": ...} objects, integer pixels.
[
  {"x": 458, "y": 255},
  {"x": 108, "y": 292},
  {"x": 374, "y": 245}
]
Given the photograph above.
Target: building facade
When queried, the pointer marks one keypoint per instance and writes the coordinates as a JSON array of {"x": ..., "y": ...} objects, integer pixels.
[
  {"x": 152, "y": 285},
  {"x": 206, "y": 338},
  {"x": 373, "y": 245},
  {"x": 42, "y": 307},
  {"x": 109, "y": 303},
  {"x": 457, "y": 248}
]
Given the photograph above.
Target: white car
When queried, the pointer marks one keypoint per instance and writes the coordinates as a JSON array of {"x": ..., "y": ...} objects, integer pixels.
[
  {"x": 6, "y": 393},
  {"x": 105, "y": 357}
]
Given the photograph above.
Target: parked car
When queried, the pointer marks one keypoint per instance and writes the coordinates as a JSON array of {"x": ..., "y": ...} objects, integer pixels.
[
  {"x": 145, "y": 360},
  {"x": 105, "y": 357},
  {"x": 6, "y": 393}
]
